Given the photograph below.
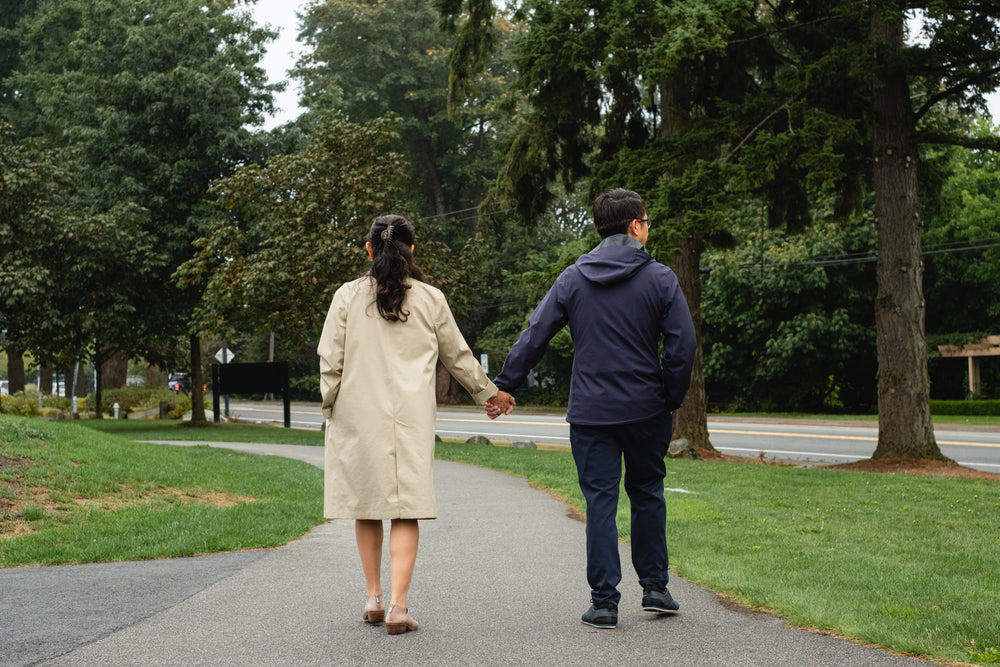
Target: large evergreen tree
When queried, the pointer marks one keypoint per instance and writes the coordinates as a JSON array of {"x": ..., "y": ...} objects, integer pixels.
[
  {"x": 693, "y": 99},
  {"x": 889, "y": 86}
]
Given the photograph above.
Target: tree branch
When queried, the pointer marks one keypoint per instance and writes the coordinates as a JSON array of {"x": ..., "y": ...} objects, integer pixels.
[
  {"x": 952, "y": 90},
  {"x": 759, "y": 125},
  {"x": 944, "y": 139}
]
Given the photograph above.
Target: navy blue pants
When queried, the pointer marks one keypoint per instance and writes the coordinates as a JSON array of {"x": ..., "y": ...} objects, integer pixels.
[{"x": 598, "y": 452}]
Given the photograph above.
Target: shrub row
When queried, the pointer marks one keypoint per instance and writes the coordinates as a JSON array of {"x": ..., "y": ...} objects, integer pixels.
[
  {"x": 988, "y": 408},
  {"x": 137, "y": 398}
]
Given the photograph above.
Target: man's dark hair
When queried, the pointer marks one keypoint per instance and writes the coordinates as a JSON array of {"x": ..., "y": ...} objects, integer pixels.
[{"x": 613, "y": 210}]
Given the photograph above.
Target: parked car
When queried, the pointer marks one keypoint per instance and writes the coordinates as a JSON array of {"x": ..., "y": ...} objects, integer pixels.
[
  {"x": 179, "y": 382},
  {"x": 4, "y": 387}
]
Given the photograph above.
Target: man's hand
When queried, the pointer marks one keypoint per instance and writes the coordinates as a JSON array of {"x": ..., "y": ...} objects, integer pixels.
[{"x": 501, "y": 404}]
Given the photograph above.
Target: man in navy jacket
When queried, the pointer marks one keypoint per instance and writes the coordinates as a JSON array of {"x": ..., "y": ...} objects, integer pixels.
[{"x": 619, "y": 303}]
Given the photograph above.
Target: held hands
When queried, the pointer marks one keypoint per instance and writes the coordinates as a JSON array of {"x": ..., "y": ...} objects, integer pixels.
[{"x": 501, "y": 404}]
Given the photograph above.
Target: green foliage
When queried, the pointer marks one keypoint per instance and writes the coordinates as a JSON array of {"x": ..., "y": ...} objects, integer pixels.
[
  {"x": 519, "y": 295},
  {"x": 138, "y": 398},
  {"x": 295, "y": 230},
  {"x": 370, "y": 59},
  {"x": 305, "y": 388},
  {"x": 21, "y": 403},
  {"x": 973, "y": 408},
  {"x": 788, "y": 327},
  {"x": 71, "y": 275},
  {"x": 153, "y": 100},
  {"x": 963, "y": 230},
  {"x": 988, "y": 656}
]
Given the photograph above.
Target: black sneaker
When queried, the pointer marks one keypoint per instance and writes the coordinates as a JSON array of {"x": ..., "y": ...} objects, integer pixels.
[
  {"x": 659, "y": 601},
  {"x": 601, "y": 615}
]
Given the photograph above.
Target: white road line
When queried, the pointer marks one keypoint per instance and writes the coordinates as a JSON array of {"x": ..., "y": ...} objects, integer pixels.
[{"x": 506, "y": 436}]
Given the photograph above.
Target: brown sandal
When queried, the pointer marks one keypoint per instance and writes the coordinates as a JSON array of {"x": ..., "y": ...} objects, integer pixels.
[
  {"x": 374, "y": 611},
  {"x": 401, "y": 621}
]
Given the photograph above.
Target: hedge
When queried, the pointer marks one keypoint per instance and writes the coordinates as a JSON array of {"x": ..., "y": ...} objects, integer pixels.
[{"x": 987, "y": 408}]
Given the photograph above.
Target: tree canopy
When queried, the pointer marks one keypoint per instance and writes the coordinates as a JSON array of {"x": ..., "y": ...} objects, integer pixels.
[{"x": 154, "y": 99}]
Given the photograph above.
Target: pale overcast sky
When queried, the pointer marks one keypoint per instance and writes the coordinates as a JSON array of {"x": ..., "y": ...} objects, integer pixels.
[{"x": 282, "y": 53}]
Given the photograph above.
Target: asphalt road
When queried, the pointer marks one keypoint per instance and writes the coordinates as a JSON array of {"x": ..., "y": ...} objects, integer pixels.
[{"x": 826, "y": 442}]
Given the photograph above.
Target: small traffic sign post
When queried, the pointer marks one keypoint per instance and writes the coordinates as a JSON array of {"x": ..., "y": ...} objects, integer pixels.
[{"x": 224, "y": 356}]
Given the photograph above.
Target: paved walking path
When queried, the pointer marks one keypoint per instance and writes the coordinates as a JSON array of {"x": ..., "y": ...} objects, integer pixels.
[{"x": 499, "y": 581}]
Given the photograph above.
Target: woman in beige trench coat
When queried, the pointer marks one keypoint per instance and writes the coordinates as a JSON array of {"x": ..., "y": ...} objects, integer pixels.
[{"x": 378, "y": 353}]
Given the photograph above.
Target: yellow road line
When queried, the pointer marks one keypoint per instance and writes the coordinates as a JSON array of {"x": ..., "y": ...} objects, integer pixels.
[
  {"x": 779, "y": 434},
  {"x": 841, "y": 437}
]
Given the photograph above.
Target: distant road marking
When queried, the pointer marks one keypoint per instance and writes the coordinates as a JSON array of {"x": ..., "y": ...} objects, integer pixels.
[
  {"x": 549, "y": 438},
  {"x": 243, "y": 408},
  {"x": 509, "y": 436},
  {"x": 820, "y": 436},
  {"x": 505, "y": 421}
]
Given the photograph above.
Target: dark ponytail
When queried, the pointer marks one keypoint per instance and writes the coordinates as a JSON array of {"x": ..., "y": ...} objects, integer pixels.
[{"x": 392, "y": 264}]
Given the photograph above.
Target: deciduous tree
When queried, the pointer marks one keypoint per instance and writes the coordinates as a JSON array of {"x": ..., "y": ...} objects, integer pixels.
[{"x": 155, "y": 98}]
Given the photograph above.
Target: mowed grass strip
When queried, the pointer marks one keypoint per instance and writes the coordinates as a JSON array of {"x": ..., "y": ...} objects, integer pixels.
[
  {"x": 167, "y": 429},
  {"x": 906, "y": 563},
  {"x": 70, "y": 494}
]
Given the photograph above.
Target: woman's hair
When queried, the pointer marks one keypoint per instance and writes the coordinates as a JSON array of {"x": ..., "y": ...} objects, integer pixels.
[{"x": 392, "y": 264}]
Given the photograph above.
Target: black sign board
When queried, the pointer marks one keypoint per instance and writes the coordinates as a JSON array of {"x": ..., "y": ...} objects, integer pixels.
[{"x": 267, "y": 377}]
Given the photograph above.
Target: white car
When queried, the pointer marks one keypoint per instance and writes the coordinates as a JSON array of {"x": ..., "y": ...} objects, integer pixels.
[{"x": 4, "y": 387}]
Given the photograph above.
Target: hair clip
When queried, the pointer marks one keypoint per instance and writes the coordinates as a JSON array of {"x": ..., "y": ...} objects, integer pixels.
[{"x": 387, "y": 234}]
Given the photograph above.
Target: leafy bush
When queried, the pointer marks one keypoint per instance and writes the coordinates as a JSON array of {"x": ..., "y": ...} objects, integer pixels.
[
  {"x": 135, "y": 399},
  {"x": 304, "y": 388},
  {"x": 24, "y": 404},
  {"x": 549, "y": 396},
  {"x": 969, "y": 408}
]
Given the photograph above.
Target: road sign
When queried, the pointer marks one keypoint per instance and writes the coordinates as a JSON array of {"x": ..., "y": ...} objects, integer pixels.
[{"x": 228, "y": 358}]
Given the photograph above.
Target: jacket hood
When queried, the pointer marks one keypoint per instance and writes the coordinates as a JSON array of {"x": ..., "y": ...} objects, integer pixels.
[{"x": 613, "y": 264}]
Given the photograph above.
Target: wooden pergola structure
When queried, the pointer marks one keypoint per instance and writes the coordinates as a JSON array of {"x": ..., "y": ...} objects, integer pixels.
[{"x": 987, "y": 347}]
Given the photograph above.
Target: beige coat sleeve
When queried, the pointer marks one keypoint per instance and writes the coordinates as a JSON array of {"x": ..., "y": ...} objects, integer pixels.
[
  {"x": 458, "y": 358},
  {"x": 331, "y": 350}
]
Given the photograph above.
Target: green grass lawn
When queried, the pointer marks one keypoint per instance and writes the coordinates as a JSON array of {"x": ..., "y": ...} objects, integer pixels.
[
  {"x": 70, "y": 494},
  {"x": 154, "y": 429},
  {"x": 907, "y": 563}
]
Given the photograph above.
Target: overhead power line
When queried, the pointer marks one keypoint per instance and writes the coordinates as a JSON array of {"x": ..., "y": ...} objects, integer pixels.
[{"x": 868, "y": 258}]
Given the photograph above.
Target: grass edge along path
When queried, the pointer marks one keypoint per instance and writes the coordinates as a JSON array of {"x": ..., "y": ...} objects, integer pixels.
[
  {"x": 70, "y": 494},
  {"x": 905, "y": 563},
  {"x": 895, "y": 561}
]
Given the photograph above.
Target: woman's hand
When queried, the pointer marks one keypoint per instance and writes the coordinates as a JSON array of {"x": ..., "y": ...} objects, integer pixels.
[{"x": 501, "y": 404}]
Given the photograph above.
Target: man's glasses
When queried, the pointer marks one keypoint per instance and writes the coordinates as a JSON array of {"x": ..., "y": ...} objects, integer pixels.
[{"x": 649, "y": 223}]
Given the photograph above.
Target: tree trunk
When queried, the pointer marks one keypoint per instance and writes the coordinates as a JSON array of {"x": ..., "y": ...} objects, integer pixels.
[
  {"x": 45, "y": 380},
  {"x": 99, "y": 390},
  {"x": 432, "y": 176},
  {"x": 15, "y": 370},
  {"x": 197, "y": 384},
  {"x": 446, "y": 388},
  {"x": 115, "y": 371},
  {"x": 156, "y": 376},
  {"x": 905, "y": 427},
  {"x": 691, "y": 419}
]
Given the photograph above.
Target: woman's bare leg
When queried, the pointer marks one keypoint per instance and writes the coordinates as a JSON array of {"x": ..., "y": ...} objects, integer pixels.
[
  {"x": 369, "y": 536},
  {"x": 404, "y": 535}
]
